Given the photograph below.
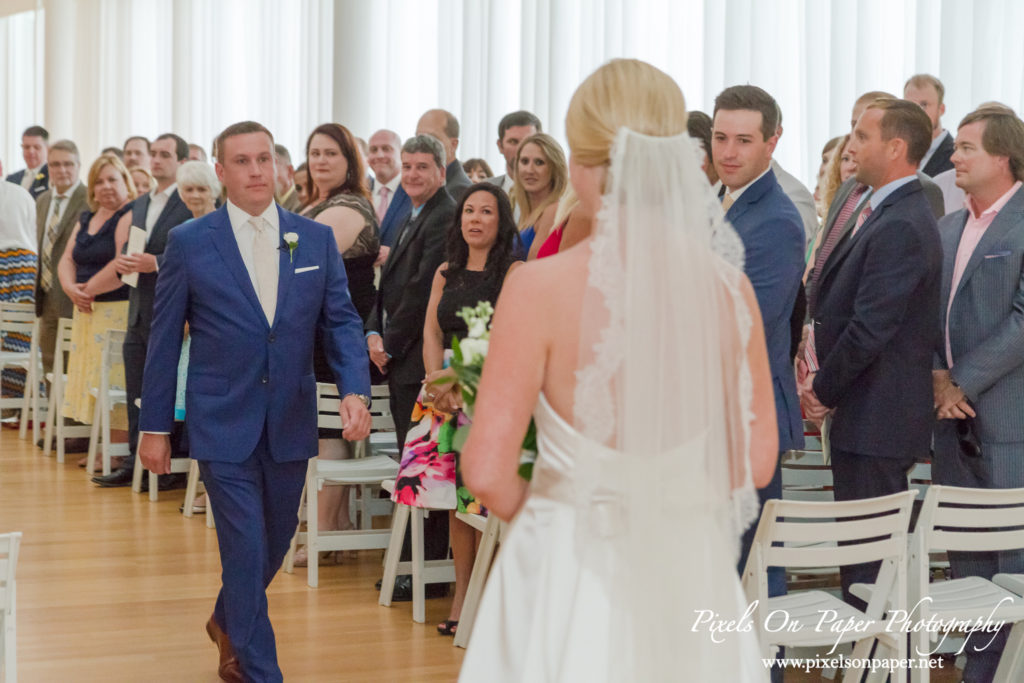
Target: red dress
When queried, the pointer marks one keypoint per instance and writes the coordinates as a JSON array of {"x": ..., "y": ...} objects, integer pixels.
[{"x": 553, "y": 242}]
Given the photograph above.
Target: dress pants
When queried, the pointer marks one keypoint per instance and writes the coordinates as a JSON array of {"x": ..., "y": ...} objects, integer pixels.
[
  {"x": 55, "y": 307},
  {"x": 134, "y": 352},
  {"x": 255, "y": 506},
  {"x": 1001, "y": 466},
  {"x": 855, "y": 477}
]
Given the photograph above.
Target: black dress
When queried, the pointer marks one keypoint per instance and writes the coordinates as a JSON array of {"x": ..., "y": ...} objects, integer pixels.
[
  {"x": 464, "y": 288},
  {"x": 93, "y": 252}
]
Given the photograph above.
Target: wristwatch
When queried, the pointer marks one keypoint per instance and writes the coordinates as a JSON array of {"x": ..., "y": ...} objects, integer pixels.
[{"x": 362, "y": 397}]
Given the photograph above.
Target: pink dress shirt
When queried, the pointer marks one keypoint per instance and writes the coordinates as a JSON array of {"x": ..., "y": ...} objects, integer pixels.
[{"x": 974, "y": 230}]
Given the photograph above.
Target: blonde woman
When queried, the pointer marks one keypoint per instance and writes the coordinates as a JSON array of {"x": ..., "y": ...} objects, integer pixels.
[
  {"x": 87, "y": 276},
  {"x": 541, "y": 178},
  {"x": 143, "y": 178},
  {"x": 649, "y": 451}
]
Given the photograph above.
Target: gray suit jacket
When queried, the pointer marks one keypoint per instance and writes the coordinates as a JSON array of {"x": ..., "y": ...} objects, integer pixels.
[
  {"x": 77, "y": 203},
  {"x": 801, "y": 197},
  {"x": 986, "y": 320},
  {"x": 455, "y": 180}
]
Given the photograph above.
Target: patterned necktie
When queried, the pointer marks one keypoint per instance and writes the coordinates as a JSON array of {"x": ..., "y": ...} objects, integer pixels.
[
  {"x": 864, "y": 215},
  {"x": 264, "y": 261},
  {"x": 49, "y": 237},
  {"x": 831, "y": 239},
  {"x": 382, "y": 205}
]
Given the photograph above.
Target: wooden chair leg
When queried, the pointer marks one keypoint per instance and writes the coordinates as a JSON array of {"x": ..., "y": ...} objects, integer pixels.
[{"x": 398, "y": 523}]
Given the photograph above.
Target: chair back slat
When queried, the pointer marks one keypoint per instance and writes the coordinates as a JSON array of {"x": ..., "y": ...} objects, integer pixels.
[
  {"x": 990, "y": 518},
  {"x": 974, "y": 540},
  {"x": 846, "y": 530},
  {"x": 9, "y": 545},
  {"x": 993, "y": 520},
  {"x": 833, "y": 555},
  {"x": 838, "y": 509}
]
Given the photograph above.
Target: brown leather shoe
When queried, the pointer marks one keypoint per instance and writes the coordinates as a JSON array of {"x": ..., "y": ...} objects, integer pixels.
[{"x": 229, "y": 669}]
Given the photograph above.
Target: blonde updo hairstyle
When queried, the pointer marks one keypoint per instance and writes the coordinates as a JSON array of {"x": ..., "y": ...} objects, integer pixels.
[{"x": 622, "y": 93}]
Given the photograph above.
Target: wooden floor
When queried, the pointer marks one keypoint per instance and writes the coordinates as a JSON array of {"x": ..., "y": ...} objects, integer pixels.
[{"x": 112, "y": 587}]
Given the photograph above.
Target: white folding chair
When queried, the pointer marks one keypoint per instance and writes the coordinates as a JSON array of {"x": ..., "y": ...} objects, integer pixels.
[
  {"x": 18, "y": 320},
  {"x": 491, "y": 531},
  {"x": 423, "y": 571},
  {"x": 192, "y": 490},
  {"x": 178, "y": 466},
  {"x": 9, "y": 544},
  {"x": 55, "y": 400},
  {"x": 106, "y": 398},
  {"x": 993, "y": 521},
  {"x": 364, "y": 470},
  {"x": 790, "y": 534}
]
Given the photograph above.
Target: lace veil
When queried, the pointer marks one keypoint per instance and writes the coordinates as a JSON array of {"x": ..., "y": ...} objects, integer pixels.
[{"x": 663, "y": 383}]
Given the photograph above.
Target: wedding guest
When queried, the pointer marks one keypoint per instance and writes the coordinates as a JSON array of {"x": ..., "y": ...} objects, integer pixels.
[
  {"x": 798, "y": 193},
  {"x": 136, "y": 152},
  {"x": 35, "y": 177},
  {"x": 444, "y": 126},
  {"x": 875, "y": 319},
  {"x": 199, "y": 187},
  {"x": 746, "y": 130},
  {"x": 116, "y": 151},
  {"x": 389, "y": 199},
  {"x": 285, "y": 191},
  {"x": 101, "y": 302},
  {"x": 196, "y": 152},
  {"x": 826, "y": 158},
  {"x": 143, "y": 178},
  {"x": 839, "y": 169},
  {"x": 980, "y": 382},
  {"x": 477, "y": 169},
  {"x": 928, "y": 92},
  {"x": 512, "y": 130},
  {"x": 302, "y": 184},
  {"x": 340, "y": 200},
  {"x": 698, "y": 126},
  {"x": 541, "y": 178},
  {"x": 480, "y": 253},
  {"x": 18, "y": 243}
]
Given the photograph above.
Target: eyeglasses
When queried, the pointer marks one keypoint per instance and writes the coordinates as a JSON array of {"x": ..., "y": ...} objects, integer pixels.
[{"x": 968, "y": 438}]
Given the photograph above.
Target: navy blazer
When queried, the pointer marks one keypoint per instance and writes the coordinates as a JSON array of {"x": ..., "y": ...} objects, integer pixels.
[
  {"x": 941, "y": 160},
  {"x": 40, "y": 185},
  {"x": 140, "y": 298},
  {"x": 243, "y": 373},
  {"x": 773, "y": 236},
  {"x": 875, "y": 329},
  {"x": 398, "y": 210}
]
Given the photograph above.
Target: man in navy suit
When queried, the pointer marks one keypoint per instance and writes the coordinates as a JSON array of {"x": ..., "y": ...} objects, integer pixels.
[
  {"x": 927, "y": 91},
  {"x": 156, "y": 212},
  {"x": 389, "y": 199},
  {"x": 744, "y": 135},
  {"x": 36, "y": 176},
  {"x": 254, "y": 283},
  {"x": 875, "y": 318}
]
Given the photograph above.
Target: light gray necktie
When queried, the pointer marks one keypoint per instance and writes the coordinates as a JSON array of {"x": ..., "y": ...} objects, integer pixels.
[{"x": 265, "y": 265}]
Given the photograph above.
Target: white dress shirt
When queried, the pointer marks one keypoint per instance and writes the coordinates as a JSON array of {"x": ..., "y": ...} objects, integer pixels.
[
  {"x": 157, "y": 202},
  {"x": 244, "y": 235},
  {"x": 392, "y": 186},
  {"x": 30, "y": 176}
]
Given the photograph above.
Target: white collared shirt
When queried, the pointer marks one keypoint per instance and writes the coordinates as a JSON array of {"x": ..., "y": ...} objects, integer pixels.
[
  {"x": 66, "y": 197},
  {"x": 735, "y": 194},
  {"x": 30, "y": 176},
  {"x": 507, "y": 184},
  {"x": 244, "y": 234},
  {"x": 157, "y": 202},
  {"x": 392, "y": 186}
]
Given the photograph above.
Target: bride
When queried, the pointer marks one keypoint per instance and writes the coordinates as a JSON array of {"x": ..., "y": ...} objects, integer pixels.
[{"x": 647, "y": 374}]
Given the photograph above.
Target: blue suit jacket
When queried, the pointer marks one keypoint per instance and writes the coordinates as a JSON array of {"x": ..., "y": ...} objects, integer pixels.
[
  {"x": 398, "y": 210},
  {"x": 875, "y": 329},
  {"x": 773, "y": 236},
  {"x": 244, "y": 373},
  {"x": 39, "y": 185}
]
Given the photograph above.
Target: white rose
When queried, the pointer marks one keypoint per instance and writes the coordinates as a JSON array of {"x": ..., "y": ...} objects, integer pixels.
[
  {"x": 477, "y": 329},
  {"x": 473, "y": 349},
  {"x": 291, "y": 237}
]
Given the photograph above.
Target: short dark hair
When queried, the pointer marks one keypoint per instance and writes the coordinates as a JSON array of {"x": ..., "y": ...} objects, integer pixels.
[
  {"x": 136, "y": 137},
  {"x": 355, "y": 177},
  {"x": 180, "y": 146},
  {"x": 921, "y": 80},
  {"x": 698, "y": 126},
  {"x": 471, "y": 165},
  {"x": 1003, "y": 135},
  {"x": 907, "y": 121},
  {"x": 282, "y": 152},
  {"x": 116, "y": 151},
  {"x": 503, "y": 251},
  {"x": 426, "y": 144},
  {"x": 240, "y": 128},
  {"x": 518, "y": 118},
  {"x": 36, "y": 132},
  {"x": 750, "y": 97}
]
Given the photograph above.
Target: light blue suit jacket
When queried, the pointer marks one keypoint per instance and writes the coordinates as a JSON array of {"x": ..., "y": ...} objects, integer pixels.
[{"x": 244, "y": 373}]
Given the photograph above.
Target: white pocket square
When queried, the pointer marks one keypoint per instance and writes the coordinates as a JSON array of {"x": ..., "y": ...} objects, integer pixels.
[{"x": 307, "y": 268}]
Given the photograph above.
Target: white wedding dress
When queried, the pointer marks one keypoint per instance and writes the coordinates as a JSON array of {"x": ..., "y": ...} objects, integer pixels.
[
  {"x": 549, "y": 610},
  {"x": 629, "y": 534}
]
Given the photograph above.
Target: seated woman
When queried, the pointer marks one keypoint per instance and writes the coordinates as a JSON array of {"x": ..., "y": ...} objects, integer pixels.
[
  {"x": 340, "y": 200},
  {"x": 477, "y": 170},
  {"x": 480, "y": 253},
  {"x": 87, "y": 275},
  {"x": 541, "y": 177}
]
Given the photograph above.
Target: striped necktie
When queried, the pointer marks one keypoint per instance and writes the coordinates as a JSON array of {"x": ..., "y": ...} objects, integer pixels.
[
  {"x": 46, "y": 258},
  {"x": 831, "y": 239}
]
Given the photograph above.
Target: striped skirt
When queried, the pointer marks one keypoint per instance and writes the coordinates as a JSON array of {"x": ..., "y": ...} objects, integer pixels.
[{"x": 17, "y": 285}]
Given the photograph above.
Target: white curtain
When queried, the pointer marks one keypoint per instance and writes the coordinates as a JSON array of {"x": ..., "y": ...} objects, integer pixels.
[{"x": 100, "y": 70}]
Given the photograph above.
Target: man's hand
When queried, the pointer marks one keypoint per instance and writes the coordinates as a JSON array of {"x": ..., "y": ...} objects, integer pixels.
[
  {"x": 375, "y": 345},
  {"x": 950, "y": 401},
  {"x": 155, "y": 452},
  {"x": 355, "y": 417},
  {"x": 135, "y": 263},
  {"x": 80, "y": 298},
  {"x": 382, "y": 255},
  {"x": 814, "y": 409}
]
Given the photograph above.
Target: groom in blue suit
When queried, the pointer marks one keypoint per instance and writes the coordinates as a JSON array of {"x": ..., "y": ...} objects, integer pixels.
[
  {"x": 254, "y": 283},
  {"x": 744, "y": 136}
]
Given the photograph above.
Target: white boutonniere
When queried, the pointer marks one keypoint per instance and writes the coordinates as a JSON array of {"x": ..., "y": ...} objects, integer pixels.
[{"x": 292, "y": 240}]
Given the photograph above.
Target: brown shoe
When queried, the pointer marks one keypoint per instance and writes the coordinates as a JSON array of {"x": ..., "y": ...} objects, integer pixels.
[{"x": 229, "y": 669}]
